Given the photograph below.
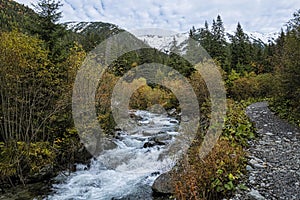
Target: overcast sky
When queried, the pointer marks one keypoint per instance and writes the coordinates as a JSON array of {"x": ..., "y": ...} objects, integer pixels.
[{"x": 262, "y": 16}]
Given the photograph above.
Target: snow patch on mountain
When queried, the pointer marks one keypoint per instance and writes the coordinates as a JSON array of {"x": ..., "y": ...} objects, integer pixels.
[
  {"x": 265, "y": 38},
  {"x": 77, "y": 26},
  {"x": 257, "y": 37},
  {"x": 164, "y": 43},
  {"x": 81, "y": 27}
]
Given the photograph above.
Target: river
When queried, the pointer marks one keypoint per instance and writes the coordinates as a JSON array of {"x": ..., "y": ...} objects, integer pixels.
[{"x": 127, "y": 171}]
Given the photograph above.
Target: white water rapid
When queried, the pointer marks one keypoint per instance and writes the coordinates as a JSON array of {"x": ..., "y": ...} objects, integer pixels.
[{"x": 128, "y": 170}]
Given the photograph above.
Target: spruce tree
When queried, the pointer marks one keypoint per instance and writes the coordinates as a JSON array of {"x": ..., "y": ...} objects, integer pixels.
[
  {"x": 218, "y": 47},
  {"x": 240, "y": 50},
  {"x": 205, "y": 38},
  {"x": 46, "y": 26}
]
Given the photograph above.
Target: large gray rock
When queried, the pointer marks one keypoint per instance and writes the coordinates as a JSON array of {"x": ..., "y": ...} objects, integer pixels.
[{"x": 164, "y": 184}]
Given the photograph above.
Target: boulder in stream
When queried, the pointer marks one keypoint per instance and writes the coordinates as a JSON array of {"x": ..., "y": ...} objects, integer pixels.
[{"x": 164, "y": 184}]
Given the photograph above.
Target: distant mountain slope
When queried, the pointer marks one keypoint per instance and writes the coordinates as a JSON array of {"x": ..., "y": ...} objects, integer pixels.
[
  {"x": 88, "y": 27},
  {"x": 90, "y": 34},
  {"x": 14, "y": 15},
  {"x": 17, "y": 16}
]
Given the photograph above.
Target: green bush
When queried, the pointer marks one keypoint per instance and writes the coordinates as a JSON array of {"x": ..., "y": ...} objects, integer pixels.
[
  {"x": 238, "y": 128},
  {"x": 253, "y": 86},
  {"x": 217, "y": 175}
]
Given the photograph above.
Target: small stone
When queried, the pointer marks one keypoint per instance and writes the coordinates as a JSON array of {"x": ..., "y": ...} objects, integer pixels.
[
  {"x": 251, "y": 178},
  {"x": 255, "y": 195},
  {"x": 268, "y": 133},
  {"x": 260, "y": 131},
  {"x": 253, "y": 162},
  {"x": 249, "y": 168},
  {"x": 258, "y": 166},
  {"x": 286, "y": 140}
]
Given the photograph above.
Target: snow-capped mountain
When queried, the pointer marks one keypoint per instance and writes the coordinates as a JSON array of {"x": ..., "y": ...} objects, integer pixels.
[
  {"x": 156, "y": 38},
  {"x": 164, "y": 43},
  {"x": 83, "y": 27},
  {"x": 265, "y": 38},
  {"x": 257, "y": 37}
]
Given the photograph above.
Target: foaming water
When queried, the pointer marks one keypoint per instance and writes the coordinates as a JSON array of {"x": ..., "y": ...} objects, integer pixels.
[{"x": 129, "y": 169}]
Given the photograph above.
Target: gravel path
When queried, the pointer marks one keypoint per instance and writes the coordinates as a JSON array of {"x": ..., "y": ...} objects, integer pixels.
[{"x": 274, "y": 158}]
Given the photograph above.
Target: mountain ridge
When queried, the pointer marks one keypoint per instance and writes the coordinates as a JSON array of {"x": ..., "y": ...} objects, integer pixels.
[{"x": 162, "y": 41}]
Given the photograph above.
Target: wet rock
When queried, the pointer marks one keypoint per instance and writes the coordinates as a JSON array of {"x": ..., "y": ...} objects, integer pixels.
[
  {"x": 153, "y": 143},
  {"x": 135, "y": 117},
  {"x": 161, "y": 137},
  {"x": 164, "y": 184},
  {"x": 141, "y": 192},
  {"x": 119, "y": 135},
  {"x": 174, "y": 121},
  {"x": 149, "y": 144},
  {"x": 157, "y": 140},
  {"x": 172, "y": 112},
  {"x": 155, "y": 173}
]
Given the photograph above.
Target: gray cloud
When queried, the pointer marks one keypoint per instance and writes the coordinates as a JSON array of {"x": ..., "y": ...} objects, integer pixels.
[{"x": 255, "y": 15}]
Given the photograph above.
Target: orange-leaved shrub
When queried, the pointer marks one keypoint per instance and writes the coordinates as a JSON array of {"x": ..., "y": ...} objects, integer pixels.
[{"x": 214, "y": 177}]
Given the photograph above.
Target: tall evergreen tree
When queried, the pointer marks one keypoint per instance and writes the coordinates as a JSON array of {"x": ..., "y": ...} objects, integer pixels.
[
  {"x": 46, "y": 26},
  {"x": 218, "y": 47},
  {"x": 240, "y": 50},
  {"x": 205, "y": 37}
]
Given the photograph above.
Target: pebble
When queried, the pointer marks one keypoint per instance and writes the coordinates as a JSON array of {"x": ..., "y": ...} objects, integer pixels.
[
  {"x": 268, "y": 133},
  {"x": 249, "y": 168},
  {"x": 255, "y": 195},
  {"x": 258, "y": 166}
]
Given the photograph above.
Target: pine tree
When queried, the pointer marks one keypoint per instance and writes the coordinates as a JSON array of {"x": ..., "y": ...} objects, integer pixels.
[
  {"x": 240, "y": 50},
  {"x": 192, "y": 32},
  {"x": 218, "y": 47},
  {"x": 46, "y": 26},
  {"x": 205, "y": 38}
]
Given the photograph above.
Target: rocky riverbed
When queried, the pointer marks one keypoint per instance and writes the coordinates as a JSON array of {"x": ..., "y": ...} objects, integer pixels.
[{"x": 274, "y": 158}]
